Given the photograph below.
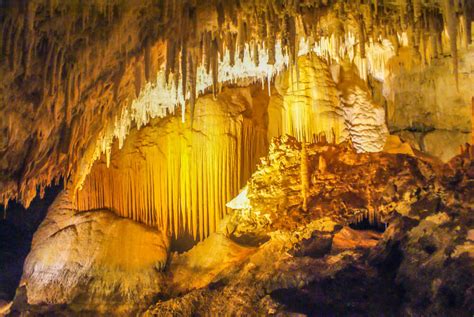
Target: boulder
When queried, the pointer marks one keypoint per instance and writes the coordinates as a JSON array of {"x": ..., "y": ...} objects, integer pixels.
[{"x": 95, "y": 261}]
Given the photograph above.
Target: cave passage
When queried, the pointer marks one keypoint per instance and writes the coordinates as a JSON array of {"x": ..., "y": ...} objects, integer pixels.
[{"x": 17, "y": 227}]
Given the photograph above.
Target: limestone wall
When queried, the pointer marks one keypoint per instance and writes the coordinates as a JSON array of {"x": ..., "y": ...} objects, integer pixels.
[{"x": 425, "y": 107}]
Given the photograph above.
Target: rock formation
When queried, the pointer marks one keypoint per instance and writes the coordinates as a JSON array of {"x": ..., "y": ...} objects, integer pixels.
[
  {"x": 272, "y": 256},
  {"x": 343, "y": 124},
  {"x": 425, "y": 107},
  {"x": 74, "y": 72},
  {"x": 92, "y": 261},
  {"x": 177, "y": 176}
]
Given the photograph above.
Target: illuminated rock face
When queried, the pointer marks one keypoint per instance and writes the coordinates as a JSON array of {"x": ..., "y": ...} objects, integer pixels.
[
  {"x": 275, "y": 190},
  {"x": 72, "y": 71},
  {"x": 318, "y": 101},
  {"x": 308, "y": 258},
  {"x": 310, "y": 103},
  {"x": 424, "y": 105},
  {"x": 179, "y": 177},
  {"x": 94, "y": 260}
]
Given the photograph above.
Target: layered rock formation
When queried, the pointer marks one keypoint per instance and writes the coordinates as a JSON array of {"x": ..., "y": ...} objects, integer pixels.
[
  {"x": 323, "y": 267},
  {"x": 179, "y": 176},
  {"x": 90, "y": 93},
  {"x": 307, "y": 102},
  {"x": 92, "y": 261}
]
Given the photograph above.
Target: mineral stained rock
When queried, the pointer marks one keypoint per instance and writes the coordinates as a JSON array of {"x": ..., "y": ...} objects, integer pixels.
[{"x": 93, "y": 261}]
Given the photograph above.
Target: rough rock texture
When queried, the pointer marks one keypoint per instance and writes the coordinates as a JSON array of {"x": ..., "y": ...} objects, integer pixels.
[
  {"x": 425, "y": 107},
  {"x": 179, "y": 176},
  {"x": 342, "y": 184},
  {"x": 445, "y": 144},
  {"x": 92, "y": 261},
  {"x": 67, "y": 72},
  {"x": 364, "y": 119}
]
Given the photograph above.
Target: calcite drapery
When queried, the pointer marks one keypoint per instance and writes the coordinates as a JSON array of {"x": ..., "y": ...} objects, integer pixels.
[{"x": 177, "y": 176}]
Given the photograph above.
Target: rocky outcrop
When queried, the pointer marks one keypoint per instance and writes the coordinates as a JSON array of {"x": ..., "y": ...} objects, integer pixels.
[
  {"x": 364, "y": 119},
  {"x": 92, "y": 261},
  {"x": 275, "y": 189}
]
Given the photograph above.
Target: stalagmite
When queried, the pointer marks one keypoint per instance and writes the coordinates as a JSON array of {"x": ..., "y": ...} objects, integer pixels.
[
  {"x": 322, "y": 165},
  {"x": 304, "y": 175}
]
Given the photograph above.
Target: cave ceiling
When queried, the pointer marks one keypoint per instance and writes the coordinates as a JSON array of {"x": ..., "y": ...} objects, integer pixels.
[{"x": 75, "y": 74}]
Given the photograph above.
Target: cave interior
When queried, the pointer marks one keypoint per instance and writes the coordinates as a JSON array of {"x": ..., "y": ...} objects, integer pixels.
[{"x": 236, "y": 158}]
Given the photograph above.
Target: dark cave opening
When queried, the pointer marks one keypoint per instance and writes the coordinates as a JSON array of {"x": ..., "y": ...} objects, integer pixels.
[
  {"x": 366, "y": 224},
  {"x": 17, "y": 226},
  {"x": 184, "y": 242}
]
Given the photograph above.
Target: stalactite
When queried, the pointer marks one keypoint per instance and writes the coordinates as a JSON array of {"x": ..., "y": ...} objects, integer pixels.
[
  {"x": 46, "y": 68},
  {"x": 416, "y": 10},
  {"x": 148, "y": 75},
  {"x": 170, "y": 58},
  {"x": 256, "y": 59},
  {"x": 17, "y": 55},
  {"x": 451, "y": 24},
  {"x": 265, "y": 31},
  {"x": 361, "y": 37},
  {"x": 231, "y": 42},
  {"x": 207, "y": 46},
  {"x": 214, "y": 65},
  {"x": 54, "y": 69},
  {"x": 271, "y": 38},
  {"x": 220, "y": 15},
  {"x": 29, "y": 37},
  {"x": 468, "y": 7},
  {"x": 8, "y": 39},
  {"x": 184, "y": 65},
  {"x": 192, "y": 70},
  {"x": 241, "y": 38}
]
